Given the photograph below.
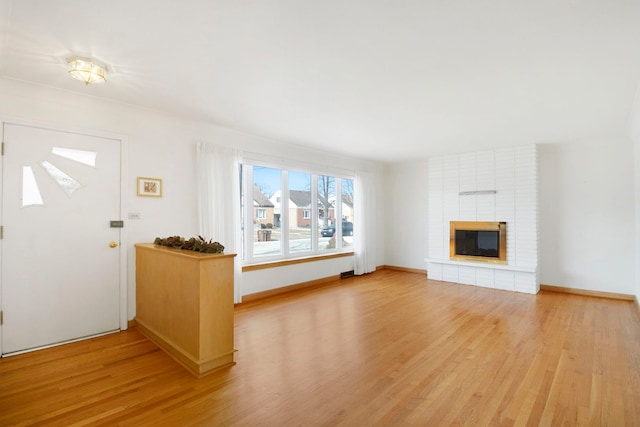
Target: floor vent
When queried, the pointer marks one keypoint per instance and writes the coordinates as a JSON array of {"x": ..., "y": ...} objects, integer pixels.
[{"x": 346, "y": 274}]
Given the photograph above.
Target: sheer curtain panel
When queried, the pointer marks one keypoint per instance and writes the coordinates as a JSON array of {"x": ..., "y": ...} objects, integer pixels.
[
  {"x": 219, "y": 200},
  {"x": 364, "y": 237}
]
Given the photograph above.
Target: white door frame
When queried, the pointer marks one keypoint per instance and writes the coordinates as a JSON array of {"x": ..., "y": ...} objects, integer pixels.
[{"x": 124, "y": 188}]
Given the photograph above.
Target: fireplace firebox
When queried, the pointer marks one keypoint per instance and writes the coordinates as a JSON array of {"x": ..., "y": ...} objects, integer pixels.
[{"x": 478, "y": 241}]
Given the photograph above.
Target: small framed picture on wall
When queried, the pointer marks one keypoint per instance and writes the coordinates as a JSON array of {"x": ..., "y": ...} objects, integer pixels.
[{"x": 150, "y": 187}]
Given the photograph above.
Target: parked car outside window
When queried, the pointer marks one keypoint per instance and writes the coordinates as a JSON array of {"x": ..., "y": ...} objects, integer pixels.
[{"x": 347, "y": 229}]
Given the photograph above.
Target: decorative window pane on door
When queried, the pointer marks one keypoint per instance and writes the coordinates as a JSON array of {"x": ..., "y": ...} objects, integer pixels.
[
  {"x": 85, "y": 157},
  {"x": 30, "y": 192},
  {"x": 64, "y": 181}
]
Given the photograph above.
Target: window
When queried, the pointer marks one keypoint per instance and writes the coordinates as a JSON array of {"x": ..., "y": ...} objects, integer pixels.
[
  {"x": 294, "y": 213},
  {"x": 327, "y": 211},
  {"x": 300, "y": 240},
  {"x": 266, "y": 186}
]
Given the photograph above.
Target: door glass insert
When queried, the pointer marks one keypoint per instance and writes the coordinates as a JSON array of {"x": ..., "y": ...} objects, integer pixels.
[
  {"x": 30, "y": 192},
  {"x": 66, "y": 183},
  {"x": 85, "y": 157}
]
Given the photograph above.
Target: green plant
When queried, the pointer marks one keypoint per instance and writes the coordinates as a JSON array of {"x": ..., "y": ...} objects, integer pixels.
[{"x": 193, "y": 244}]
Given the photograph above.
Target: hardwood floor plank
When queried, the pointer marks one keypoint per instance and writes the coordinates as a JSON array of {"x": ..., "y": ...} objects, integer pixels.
[{"x": 386, "y": 349}]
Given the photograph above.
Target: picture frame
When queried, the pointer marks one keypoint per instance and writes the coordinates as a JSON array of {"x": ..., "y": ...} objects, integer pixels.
[{"x": 149, "y": 187}]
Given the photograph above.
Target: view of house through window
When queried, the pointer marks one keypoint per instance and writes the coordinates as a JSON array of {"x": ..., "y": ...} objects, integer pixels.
[
  {"x": 299, "y": 202},
  {"x": 267, "y": 185},
  {"x": 295, "y": 213}
]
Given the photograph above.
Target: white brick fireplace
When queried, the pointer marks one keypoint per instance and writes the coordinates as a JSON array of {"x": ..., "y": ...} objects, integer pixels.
[{"x": 496, "y": 185}]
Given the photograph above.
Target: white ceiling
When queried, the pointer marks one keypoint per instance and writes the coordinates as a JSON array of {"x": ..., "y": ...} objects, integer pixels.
[{"x": 388, "y": 80}]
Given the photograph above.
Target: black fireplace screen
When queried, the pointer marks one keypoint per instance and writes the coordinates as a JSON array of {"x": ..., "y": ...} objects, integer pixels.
[{"x": 478, "y": 243}]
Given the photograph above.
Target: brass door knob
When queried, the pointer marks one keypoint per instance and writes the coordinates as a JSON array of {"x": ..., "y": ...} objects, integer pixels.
[{"x": 113, "y": 244}]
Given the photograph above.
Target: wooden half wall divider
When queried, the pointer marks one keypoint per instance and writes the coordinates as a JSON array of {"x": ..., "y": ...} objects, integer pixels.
[{"x": 184, "y": 304}]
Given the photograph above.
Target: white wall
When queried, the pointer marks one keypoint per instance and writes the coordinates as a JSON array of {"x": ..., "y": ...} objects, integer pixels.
[
  {"x": 586, "y": 193},
  {"x": 585, "y": 186},
  {"x": 636, "y": 145},
  {"x": 587, "y": 219},
  {"x": 634, "y": 131},
  {"x": 163, "y": 145},
  {"x": 406, "y": 220}
]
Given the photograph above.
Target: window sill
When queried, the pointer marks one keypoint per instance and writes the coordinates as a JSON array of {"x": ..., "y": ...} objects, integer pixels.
[{"x": 285, "y": 262}]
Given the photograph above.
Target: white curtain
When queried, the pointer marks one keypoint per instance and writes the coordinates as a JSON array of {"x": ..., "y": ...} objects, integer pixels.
[
  {"x": 219, "y": 201},
  {"x": 365, "y": 224}
]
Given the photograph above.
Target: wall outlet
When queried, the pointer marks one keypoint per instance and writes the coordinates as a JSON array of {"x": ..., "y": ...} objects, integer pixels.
[{"x": 134, "y": 215}]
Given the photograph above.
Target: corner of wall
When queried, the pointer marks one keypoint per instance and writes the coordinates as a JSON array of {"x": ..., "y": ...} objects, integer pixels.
[{"x": 634, "y": 133}]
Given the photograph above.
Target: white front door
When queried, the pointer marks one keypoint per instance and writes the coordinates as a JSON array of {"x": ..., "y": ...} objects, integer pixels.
[{"x": 60, "y": 254}]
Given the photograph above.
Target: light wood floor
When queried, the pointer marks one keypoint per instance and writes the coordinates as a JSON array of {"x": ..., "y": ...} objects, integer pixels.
[{"x": 387, "y": 349}]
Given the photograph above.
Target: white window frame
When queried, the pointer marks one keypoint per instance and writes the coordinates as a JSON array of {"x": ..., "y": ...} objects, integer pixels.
[{"x": 249, "y": 238}]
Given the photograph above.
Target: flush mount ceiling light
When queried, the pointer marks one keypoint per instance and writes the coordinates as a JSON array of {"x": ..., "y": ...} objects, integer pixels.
[{"x": 86, "y": 70}]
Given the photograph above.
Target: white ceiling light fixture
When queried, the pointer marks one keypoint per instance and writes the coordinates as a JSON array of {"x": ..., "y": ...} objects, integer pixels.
[{"x": 86, "y": 70}]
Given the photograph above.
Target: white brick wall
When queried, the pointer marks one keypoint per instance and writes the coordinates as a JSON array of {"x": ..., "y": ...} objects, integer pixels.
[
  {"x": 505, "y": 280},
  {"x": 512, "y": 173},
  {"x": 485, "y": 277},
  {"x": 436, "y": 209}
]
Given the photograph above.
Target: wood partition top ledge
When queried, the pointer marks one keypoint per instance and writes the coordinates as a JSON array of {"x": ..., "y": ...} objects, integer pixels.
[{"x": 181, "y": 252}]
